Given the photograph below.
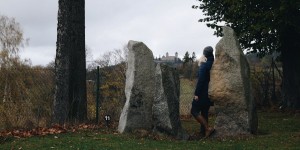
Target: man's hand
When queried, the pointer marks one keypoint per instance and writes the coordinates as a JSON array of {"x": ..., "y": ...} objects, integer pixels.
[{"x": 196, "y": 98}]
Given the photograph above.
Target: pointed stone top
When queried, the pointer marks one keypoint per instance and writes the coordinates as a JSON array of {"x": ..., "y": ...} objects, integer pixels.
[
  {"x": 131, "y": 43},
  {"x": 227, "y": 31}
]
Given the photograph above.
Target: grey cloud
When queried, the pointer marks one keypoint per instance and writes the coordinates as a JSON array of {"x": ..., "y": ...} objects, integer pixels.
[{"x": 164, "y": 26}]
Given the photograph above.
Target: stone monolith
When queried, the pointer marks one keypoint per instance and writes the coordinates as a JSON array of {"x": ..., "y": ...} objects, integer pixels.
[
  {"x": 139, "y": 89},
  {"x": 166, "y": 117},
  {"x": 230, "y": 89}
]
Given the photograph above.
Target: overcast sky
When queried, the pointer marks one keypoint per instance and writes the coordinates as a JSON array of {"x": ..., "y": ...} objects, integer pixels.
[{"x": 163, "y": 25}]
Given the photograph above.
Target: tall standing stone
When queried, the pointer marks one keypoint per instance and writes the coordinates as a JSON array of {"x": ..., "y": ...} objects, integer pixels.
[
  {"x": 70, "y": 100},
  {"x": 230, "y": 89},
  {"x": 166, "y": 117},
  {"x": 139, "y": 89}
]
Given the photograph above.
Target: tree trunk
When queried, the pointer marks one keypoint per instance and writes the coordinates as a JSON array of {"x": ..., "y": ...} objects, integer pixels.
[
  {"x": 291, "y": 74},
  {"x": 290, "y": 47},
  {"x": 70, "y": 91}
]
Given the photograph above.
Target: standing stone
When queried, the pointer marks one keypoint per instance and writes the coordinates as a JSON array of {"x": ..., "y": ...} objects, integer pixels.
[
  {"x": 166, "y": 117},
  {"x": 230, "y": 89},
  {"x": 139, "y": 89}
]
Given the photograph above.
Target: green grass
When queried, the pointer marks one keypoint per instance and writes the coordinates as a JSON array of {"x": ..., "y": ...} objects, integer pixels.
[{"x": 276, "y": 131}]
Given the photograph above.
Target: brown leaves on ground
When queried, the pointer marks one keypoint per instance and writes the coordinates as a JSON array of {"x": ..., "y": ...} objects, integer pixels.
[{"x": 40, "y": 131}]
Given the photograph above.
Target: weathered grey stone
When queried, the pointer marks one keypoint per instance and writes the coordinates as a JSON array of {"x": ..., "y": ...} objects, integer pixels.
[
  {"x": 152, "y": 95},
  {"x": 166, "y": 117},
  {"x": 230, "y": 89},
  {"x": 139, "y": 90}
]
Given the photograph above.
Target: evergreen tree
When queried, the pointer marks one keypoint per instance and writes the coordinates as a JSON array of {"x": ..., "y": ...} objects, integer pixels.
[
  {"x": 193, "y": 57},
  {"x": 186, "y": 57}
]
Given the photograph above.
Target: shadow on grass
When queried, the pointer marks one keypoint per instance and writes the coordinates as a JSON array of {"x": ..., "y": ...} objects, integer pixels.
[{"x": 263, "y": 132}]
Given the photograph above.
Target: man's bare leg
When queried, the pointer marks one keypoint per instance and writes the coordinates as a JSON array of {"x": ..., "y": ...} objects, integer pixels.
[{"x": 202, "y": 121}]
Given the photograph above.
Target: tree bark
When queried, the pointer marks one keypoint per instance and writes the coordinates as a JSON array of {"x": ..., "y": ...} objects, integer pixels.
[
  {"x": 290, "y": 47},
  {"x": 291, "y": 74},
  {"x": 70, "y": 91}
]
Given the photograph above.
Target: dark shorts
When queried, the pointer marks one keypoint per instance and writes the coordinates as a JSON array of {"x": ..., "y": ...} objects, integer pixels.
[{"x": 198, "y": 108}]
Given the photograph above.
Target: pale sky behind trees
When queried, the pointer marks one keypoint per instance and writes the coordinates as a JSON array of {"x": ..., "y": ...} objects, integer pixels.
[{"x": 163, "y": 25}]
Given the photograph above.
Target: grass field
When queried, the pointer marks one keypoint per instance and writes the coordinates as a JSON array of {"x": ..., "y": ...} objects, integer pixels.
[
  {"x": 187, "y": 88},
  {"x": 276, "y": 131}
]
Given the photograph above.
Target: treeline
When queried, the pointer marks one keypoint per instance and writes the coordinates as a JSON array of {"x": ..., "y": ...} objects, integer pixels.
[
  {"x": 27, "y": 92},
  {"x": 26, "y": 96}
]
